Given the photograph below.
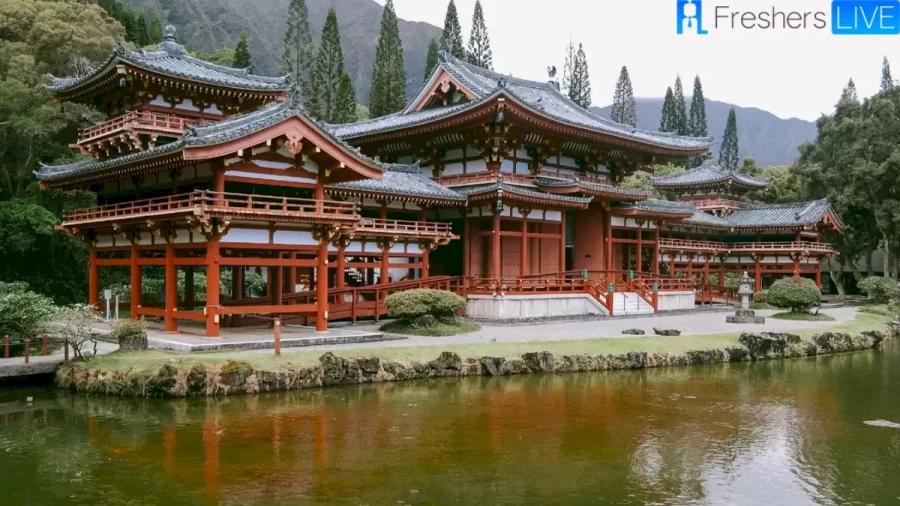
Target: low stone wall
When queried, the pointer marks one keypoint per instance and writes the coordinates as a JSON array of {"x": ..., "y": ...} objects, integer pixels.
[
  {"x": 675, "y": 301},
  {"x": 241, "y": 378},
  {"x": 532, "y": 306}
]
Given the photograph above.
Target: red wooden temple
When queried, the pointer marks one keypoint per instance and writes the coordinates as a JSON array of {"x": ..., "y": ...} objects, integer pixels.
[{"x": 486, "y": 184}]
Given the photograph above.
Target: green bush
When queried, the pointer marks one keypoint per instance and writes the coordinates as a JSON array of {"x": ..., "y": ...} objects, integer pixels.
[
  {"x": 796, "y": 294},
  {"x": 760, "y": 297},
  {"x": 880, "y": 289},
  {"x": 411, "y": 304},
  {"x": 130, "y": 334},
  {"x": 23, "y": 313}
]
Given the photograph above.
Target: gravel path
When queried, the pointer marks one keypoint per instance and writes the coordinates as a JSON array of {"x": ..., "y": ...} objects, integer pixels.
[{"x": 689, "y": 324}]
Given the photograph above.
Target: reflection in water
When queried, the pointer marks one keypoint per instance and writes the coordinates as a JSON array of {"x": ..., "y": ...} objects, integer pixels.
[{"x": 790, "y": 432}]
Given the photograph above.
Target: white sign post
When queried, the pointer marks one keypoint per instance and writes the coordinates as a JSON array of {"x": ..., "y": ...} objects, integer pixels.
[{"x": 107, "y": 295}]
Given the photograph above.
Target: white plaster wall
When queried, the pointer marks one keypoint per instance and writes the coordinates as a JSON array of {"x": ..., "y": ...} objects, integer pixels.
[
  {"x": 675, "y": 301},
  {"x": 247, "y": 235},
  {"x": 531, "y": 306},
  {"x": 294, "y": 237},
  {"x": 452, "y": 169}
]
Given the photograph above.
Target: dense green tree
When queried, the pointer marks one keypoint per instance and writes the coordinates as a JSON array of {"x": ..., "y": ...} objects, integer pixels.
[
  {"x": 697, "y": 115},
  {"x": 297, "y": 55},
  {"x": 728, "y": 152},
  {"x": 451, "y": 38},
  {"x": 431, "y": 60},
  {"x": 579, "y": 90},
  {"x": 326, "y": 74},
  {"x": 849, "y": 93},
  {"x": 224, "y": 56},
  {"x": 667, "y": 119},
  {"x": 682, "y": 122},
  {"x": 242, "y": 54},
  {"x": 785, "y": 185},
  {"x": 568, "y": 67},
  {"x": 155, "y": 32},
  {"x": 345, "y": 109},
  {"x": 141, "y": 31},
  {"x": 623, "y": 107},
  {"x": 388, "y": 93},
  {"x": 479, "y": 43},
  {"x": 887, "y": 82}
]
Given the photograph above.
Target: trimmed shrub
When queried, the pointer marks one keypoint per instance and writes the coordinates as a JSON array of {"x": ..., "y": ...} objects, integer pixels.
[
  {"x": 411, "y": 304},
  {"x": 796, "y": 294},
  {"x": 760, "y": 297},
  {"x": 880, "y": 289},
  {"x": 130, "y": 334}
]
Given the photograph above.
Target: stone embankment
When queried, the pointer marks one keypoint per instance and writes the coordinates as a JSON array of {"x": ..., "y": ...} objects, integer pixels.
[{"x": 241, "y": 378}]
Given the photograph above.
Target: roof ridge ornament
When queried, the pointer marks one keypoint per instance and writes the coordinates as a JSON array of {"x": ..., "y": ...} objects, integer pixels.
[{"x": 169, "y": 45}]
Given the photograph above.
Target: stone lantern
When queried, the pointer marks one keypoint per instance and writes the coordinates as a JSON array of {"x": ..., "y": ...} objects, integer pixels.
[{"x": 745, "y": 314}]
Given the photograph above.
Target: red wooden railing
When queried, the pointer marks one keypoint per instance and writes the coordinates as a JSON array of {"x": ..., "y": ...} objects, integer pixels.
[
  {"x": 143, "y": 119},
  {"x": 403, "y": 226},
  {"x": 716, "y": 203},
  {"x": 714, "y": 293},
  {"x": 215, "y": 201},
  {"x": 818, "y": 247}
]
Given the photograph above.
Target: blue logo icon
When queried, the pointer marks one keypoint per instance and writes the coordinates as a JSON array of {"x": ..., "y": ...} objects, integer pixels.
[
  {"x": 690, "y": 17},
  {"x": 865, "y": 17}
]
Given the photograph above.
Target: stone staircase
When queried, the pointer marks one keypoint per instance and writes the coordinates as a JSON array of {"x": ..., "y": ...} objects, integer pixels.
[{"x": 629, "y": 304}]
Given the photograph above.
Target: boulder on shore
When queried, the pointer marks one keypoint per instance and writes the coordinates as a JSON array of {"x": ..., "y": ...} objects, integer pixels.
[
  {"x": 666, "y": 332},
  {"x": 767, "y": 344},
  {"x": 633, "y": 332}
]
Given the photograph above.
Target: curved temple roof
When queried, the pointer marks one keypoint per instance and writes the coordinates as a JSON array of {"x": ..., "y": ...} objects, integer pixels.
[
  {"x": 400, "y": 181},
  {"x": 706, "y": 175},
  {"x": 170, "y": 59},
  {"x": 542, "y": 98},
  {"x": 751, "y": 216}
]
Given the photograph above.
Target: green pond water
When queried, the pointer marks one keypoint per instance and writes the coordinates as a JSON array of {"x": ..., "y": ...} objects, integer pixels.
[{"x": 787, "y": 432}]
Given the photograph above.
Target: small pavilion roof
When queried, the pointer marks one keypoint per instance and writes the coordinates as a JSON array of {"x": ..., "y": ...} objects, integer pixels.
[
  {"x": 554, "y": 185},
  {"x": 400, "y": 181},
  {"x": 542, "y": 98},
  {"x": 657, "y": 207},
  {"x": 170, "y": 59},
  {"x": 220, "y": 132},
  {"x": 521, "y": 192},
  {"x": 708, "y": 174},
  {"x": 756, "y": 216}
]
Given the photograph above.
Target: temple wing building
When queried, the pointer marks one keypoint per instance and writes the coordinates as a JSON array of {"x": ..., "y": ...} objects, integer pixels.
[{"x": 488, "y": 185}]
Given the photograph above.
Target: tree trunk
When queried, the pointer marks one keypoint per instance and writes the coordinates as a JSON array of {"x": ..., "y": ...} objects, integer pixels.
[
  {"x": 837, "y": 276},
  {"x": 855, "y": 271},
  {"x": 870, "y": 269},
  {"x": 893, "y": 266},
  {"x": 887, "y": 256}
]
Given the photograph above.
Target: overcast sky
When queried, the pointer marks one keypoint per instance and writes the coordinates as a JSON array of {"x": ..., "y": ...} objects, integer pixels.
[{"x": 797, "y": 73}]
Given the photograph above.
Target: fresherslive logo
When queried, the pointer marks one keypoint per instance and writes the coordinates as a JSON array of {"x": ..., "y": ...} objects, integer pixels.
[
  {"x": 690, "y": 17},
  {"x": 848, "y": 17}
]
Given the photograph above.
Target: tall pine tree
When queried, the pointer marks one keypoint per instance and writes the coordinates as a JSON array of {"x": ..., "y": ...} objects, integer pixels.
[
  {"x": 728, "y": 153},
  {"x": 849, "y": 93},
  {"x": 667, "y": 120},
  {"x": 431, "y": 60},
  {"x": 242, "y": 54},
  {"x": 155, "y": 32},
  {"x": 388, "y": 92},
  {"x": 451, "y": 37},
  {"x": 345, "y": 108},
  {"x": 297, "y": 56},
  {"x": 887, "y": 82},
  {"x": 479, "y": 43},
  {"x": 326, "y": 74},
  {"x": 624, "y": 109},
  {"x": 580, "y": 86},
  {"x": 141, "y": 35},
  {"x": 568, "y": 67},
  {"x": 697, "y": 116},
  {"x": 681, "y": 117}
]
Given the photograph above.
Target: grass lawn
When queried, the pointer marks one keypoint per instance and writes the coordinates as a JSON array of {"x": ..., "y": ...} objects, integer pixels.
[
  {"x": 442, "y": 328},
  {"x": 805, "y": 317},
  {"x": 153, "y": 359}
]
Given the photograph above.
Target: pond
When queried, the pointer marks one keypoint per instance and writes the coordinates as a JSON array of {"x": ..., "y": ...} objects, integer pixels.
[{"x": 809, "y": 431}]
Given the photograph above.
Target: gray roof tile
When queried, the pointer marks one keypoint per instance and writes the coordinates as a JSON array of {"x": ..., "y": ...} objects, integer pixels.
[
  {"x": 659, "y": 206},
  {"x": 515, "y": 189},
  {"x": 708, "y": 173},
  {"x": 403, "y": 180},
  {"x": 170, "y": 59}
]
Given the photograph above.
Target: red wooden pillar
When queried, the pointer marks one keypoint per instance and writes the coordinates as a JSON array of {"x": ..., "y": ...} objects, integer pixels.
[
  {"x": 292, "y": 276},
  {"x": 797, "y": 264},
  {"x": 819, "y": 273},
  {"x": 213, "y": 259},
  {"x": 171, "y": 289},
  {"x": 656, "y": 250},
  {"x": 757, "y": 273},
  {"x": 523, "y": 257},
  {"x": 426, "y": 250},
  {"x": 237, "y": 281},
  {"x": 562, "y": 241},
  {"x": 385, "y": 262},
  {"x": 706, "y": 272},
  {"x": 496, "y": 271},
  {"x": 640, "y": 248},
  {"x": 135, "y": 282},
  {"x": 277, "y": 289},
  {"x": 467, "y": 270},
  {"x": 341, "y": 266},
  {"x": 721, "y": 275},
  {"x": 609, "y": 243},
  {"x": 93, "y": 277},
  {"x": 322, "y": 286},
  {"x": 690, "y": 267}
]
